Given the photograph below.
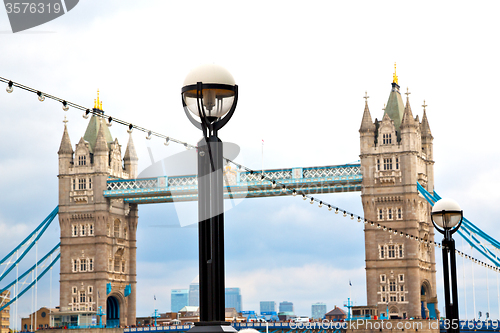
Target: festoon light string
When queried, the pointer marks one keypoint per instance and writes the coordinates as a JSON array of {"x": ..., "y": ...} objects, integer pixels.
[{"x": 284, "y": 188}]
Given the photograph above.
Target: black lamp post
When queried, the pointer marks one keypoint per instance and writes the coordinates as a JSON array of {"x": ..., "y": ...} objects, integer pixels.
[
  {"x": 210, "y": 93},
  {"x": 447, "y": 217}
]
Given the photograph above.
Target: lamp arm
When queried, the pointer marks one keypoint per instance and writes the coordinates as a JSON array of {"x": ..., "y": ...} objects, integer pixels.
[{"x": 220, "y": 123}]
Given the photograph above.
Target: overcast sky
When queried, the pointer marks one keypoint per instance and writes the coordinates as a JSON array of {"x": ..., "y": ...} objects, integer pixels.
[{"x": 302, "y": 70}]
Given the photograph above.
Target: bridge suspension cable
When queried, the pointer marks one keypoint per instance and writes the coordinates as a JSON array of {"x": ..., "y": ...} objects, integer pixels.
[{"x": 29, "y": 242}]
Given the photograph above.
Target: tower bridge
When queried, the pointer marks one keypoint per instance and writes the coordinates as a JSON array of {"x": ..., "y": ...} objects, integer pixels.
[{"x": 99, "y": 194}]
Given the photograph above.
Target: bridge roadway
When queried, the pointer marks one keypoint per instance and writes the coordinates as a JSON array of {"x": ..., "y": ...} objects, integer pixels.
[
  {"x": 359, "y": 326},
  {"x": 239, "y": 184}
]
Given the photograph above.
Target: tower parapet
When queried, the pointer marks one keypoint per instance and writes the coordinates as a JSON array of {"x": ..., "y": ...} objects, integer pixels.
[
  {"x": 98, "y": 235},
  {"x": 395, "y": 153}
]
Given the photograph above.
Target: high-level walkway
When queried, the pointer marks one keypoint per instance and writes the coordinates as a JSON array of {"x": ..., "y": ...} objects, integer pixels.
[{"x": 240, "y": 184}]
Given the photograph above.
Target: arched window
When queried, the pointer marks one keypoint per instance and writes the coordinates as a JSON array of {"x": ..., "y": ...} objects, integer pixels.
[{"x": 117, "y": 228}]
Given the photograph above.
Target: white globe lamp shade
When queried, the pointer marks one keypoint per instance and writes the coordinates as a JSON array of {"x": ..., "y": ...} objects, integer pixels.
[
  {"x": 217, "y": 94},
  {"x": 446, "y": 213}
]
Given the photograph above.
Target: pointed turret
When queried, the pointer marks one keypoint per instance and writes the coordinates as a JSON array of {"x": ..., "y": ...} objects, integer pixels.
[
  {"x": 101, "y": 151},
  {"x": 424, "y": 127},
  {"x": 65, "y": 147},
  {"x": 65, "y": 152},
  {"x": 130, "y": 159},
  {"x": 408, "y": 114},
  {"x": 367, "y": 124},
  {"x": 94, "y": 126}
]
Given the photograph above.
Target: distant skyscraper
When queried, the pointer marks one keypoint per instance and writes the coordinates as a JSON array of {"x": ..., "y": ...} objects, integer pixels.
[
  {"x": 194, "y": 293},
  {"x": 286, "y": 306},
  {"x": 318, "y": 310},
  {"x": 233, "y": 298},
  {"x": 179, "y": 298},
  {"x": 267, "y": 306}
]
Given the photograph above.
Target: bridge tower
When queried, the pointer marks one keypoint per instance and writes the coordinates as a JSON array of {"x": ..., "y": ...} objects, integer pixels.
[
  {"x": 98, "y": 235},
  {"x": 396, "y": 152}
]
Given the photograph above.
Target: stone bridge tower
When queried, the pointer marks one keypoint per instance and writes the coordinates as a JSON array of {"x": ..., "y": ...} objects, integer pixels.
[
  {"x": 98, "y": 235},
  {"x": 396, "y": 153}
]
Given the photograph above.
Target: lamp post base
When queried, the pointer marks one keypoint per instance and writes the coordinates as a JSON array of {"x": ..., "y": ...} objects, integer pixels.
[{"x": 212, "y": 327}]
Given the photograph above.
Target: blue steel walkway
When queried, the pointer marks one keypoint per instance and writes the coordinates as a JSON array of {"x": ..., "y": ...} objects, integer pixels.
[{"x": 240, "y": 184}]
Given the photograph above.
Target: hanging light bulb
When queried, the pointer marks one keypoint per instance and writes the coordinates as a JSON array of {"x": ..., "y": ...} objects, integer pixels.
[
  {"x": 148, "y": 137},
  {"x": 41, "y": 96},
  {"x": 390, "y": 230},
  {"x": 304, "y": 197},
  {"x": 359, "y": 219},
  {"x": 320, "y": 204},
  {"x": 401, "y": 234},
  {"x": 352, "y": 216},
  {"x": 407, "y": 236},
  {"x": 336, "y": 210},
  {"x": 9, "y": 88},
  {"x": 312, "y": 201},
  {"x": 372, "y": 223},
  {"x": 395, "y": 232},
  {"x": 65, "y": 106},
  {"x": 273, "y": 184},
  {"x": 294, "y": 193},
  {"x": 130, "y": 128},
  {"x": 283, "y": 188},
  {"x": 262, "y": 178},
  {"x": 329, "y": 207},
  {"x": 167, "y": 139},
  {"x": 110, "y": 119},
  {"x": 378, "y": 226},
  {"x": 345, "y": 214},
  {"x": 385, "y": 228},
  {"x": 86, "y": 114},
  {"x": 186, "y": 145}
]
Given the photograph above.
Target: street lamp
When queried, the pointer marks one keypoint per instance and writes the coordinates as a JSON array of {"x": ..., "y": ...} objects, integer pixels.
[
  {"x": 447, "y": 217},
  {"x": 210, "y": 93}
]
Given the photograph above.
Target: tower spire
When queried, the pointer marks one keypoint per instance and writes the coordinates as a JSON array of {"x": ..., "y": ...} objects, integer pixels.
[
  {"x": 65, "y": 147},
  {"x": 366, "y": 123}
]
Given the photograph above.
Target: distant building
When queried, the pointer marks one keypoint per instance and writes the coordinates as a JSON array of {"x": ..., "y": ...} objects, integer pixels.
[
  {"x": 336, "y": 314},
  {"x": 318, "y": 310},
  {"x": 194, "y": 293},
  {"x": 39, "y": 319},
  {"x": 267, "y": 306},
  {"x": 286, "y": 307},
  {"x": 5, "y": 313},
  {"x": 233, "y": 298},
  {"x": 179, "y": 298}
]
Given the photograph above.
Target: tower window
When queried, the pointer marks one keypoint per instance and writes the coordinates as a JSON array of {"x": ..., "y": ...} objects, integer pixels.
[
  {"x": 75, "y": 265},
  {"x": 389, "y": 213},
  {"x": 380, "y": 214},
  {"x": 82, "y": 183},
  {"x": 400, "y": 250},
  {"x": 75, "y": 230},
  {"x": 391, "y": 251},
  {"x": 74, "y": 290},
  {"x": 400, "y": 213},
  {"x": 82, "y": 230},
  {"x": 74, "y": 184},
  {"x": 382, "y": 252},
  {"x": 392, "y": 285},
  {"x": 91, "y": 229},
  {"x": 402, "y": 288},
  {"x": 383, "y": 289},
  {"x": 83, "y": 265},
  {"x": 82, "y": 296},
  {"x": 382, "y": 277},
  {"x": 387, "y": 163},
  {"x": 378, "y": 164},
  {"x": 82, "y": 160},
  {"x": 397, "y": 163},
  {"x": 393, "y": 298},
  {"x": 90, "y": 289},
  {"x": 401, "y": 279},
  {"x": 402, "y": 298},
  {"x": 91, "y": 268},
  {"x": 90, "y": 183}
]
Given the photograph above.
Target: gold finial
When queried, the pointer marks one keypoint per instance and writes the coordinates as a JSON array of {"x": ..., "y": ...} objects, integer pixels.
[
  {"x": 97, "y": 103},
  {"x": 100, "y": 106},
  {"x": 394, "y": 76}
]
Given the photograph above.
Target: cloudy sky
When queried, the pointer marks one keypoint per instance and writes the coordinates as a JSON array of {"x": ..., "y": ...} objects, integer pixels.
[{"x": 302, "y": 70}]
